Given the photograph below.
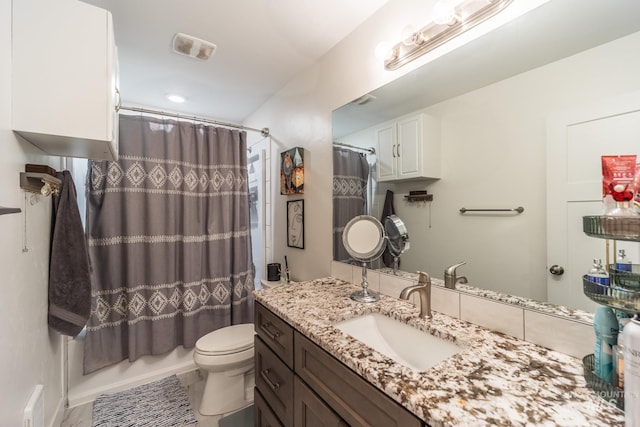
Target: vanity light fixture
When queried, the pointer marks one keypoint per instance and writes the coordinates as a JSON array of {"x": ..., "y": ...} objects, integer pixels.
[{"x": 451, "y": 18}]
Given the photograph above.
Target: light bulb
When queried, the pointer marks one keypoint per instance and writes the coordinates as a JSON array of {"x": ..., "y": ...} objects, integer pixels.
[
  {"x": 384, "y": 51},
  {"x": 444, "y": 12},
  {"x": 408, "y": 35}
]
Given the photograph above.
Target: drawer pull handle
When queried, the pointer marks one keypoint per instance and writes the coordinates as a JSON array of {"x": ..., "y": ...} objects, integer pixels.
[
  {"x": 272, "y": 335},
  {"x": 265, "y": 376}
]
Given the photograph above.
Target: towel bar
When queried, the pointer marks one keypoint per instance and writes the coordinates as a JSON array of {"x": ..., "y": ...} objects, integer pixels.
[{"x": 519, "y": 210}]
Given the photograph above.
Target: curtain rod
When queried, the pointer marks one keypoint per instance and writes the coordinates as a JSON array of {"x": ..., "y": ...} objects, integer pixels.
[
  {"x": 264, "y": 131},
  {"x": 342, "y": 144}
]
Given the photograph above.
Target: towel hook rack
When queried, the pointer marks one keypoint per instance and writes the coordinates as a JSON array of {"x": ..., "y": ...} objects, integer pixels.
[
  {"x": 518, "y": 210},
  {"x": 40, "y": 183}
]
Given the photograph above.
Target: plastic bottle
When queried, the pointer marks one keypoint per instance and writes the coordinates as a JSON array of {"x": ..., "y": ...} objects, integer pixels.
[
  {"x": 632, "y": 372},
  {"x": 605, "y": 326},
  {"x": 618, "y": 353},
  {"x": 598, "y": 274},
  {"x": 622, "y": 263}
]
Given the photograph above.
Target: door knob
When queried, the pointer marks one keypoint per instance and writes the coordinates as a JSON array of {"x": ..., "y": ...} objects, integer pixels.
[{"x": 556, "y": 270}]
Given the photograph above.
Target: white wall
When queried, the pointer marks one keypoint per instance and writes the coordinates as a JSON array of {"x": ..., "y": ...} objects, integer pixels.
[
  {"x": 300, "y": 114},
  {"x": 31, "y": 354}
]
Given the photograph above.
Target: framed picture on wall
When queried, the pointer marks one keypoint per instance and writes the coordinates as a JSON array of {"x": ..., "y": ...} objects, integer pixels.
[
  {"x": 292, "y": 171},
  {"x": 295, "y": 224}
]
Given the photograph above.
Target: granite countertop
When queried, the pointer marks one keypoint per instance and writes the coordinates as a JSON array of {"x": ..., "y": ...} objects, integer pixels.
[
  {"x": 494, "y": 380},
  {"x": 527, "y": 303}
]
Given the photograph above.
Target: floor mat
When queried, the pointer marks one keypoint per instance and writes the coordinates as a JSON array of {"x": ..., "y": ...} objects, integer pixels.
[
  {"x": 162, "y": 403},
  {"x": 242, "y": 418}
]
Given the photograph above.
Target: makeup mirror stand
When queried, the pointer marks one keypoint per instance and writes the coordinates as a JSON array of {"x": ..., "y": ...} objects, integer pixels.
[
  {"x": 365, "y": 295},
  {"x": 365, "y": 240}
]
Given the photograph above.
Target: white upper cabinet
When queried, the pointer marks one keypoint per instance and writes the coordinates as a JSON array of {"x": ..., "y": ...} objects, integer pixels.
[
  {"x": 408, "y": 148},
  {"x": 65, "y": 77}
]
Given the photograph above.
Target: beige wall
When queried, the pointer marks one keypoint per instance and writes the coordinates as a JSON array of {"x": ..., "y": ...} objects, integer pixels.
[{"x": 30, "y": 354}]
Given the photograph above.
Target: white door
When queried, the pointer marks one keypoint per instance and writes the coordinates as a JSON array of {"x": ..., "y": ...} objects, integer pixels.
[
  {"x": 386, "y": 139},
  {"x": 410, "y": 147},
  {"x": 575, "y": 142}
]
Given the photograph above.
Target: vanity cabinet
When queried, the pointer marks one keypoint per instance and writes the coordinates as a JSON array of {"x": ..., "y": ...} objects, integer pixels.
[
  {"x": 408, "y": 148},
  {"x": 314, "y": 389},
  {"x": 64, "y": 78},
  {"x": 274, "y": 364}
]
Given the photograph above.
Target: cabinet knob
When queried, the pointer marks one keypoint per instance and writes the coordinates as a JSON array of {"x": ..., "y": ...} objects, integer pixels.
[
  {"x": 556, "y": 270},
  {"x": 393, "y": 151}
]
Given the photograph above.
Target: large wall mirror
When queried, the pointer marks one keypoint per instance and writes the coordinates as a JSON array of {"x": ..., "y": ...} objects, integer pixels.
[{"x": 493, "y": 100}]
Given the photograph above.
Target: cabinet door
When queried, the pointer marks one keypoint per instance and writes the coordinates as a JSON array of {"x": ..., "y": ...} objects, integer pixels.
[
  {"x": 409, "y": 147},
  {"x": 63, "y": 77},
  {"x": 386, "y": 147},
  {"x": 310, "y": 410},
  {"x": 263, "y": 416},
  {"x": 275, "y": 333},
  {"x": 274, "y": 380},
  {"x": 355, "y": 400}
]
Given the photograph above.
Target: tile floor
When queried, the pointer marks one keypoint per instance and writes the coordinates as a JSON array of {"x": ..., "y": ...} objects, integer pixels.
[{"x": 193, "y": 381}]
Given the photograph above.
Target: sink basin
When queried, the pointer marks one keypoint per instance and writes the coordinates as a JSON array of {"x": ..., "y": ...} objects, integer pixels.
[{"x": 406, "y": 345}]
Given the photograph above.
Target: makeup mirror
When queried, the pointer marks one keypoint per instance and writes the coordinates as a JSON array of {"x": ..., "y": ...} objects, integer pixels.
[
  {"x": 397, "y": 239},
  {"x": 364, "y": 240}
]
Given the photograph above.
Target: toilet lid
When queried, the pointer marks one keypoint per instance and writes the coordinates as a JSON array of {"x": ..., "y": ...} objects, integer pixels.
[{"x": 231, "y": 339}]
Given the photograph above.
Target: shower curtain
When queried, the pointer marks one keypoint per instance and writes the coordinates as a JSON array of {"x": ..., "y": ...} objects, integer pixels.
[
  {"x": 350, "y": 178},
  {"x": 169, "y": 239}
]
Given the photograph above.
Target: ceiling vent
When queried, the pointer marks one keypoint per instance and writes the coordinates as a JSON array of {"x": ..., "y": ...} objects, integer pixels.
[
  {"x": 194, "y": 47},
  {"x": 364, "y": 99}
]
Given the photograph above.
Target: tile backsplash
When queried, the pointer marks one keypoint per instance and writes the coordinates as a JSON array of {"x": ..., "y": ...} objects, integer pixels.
[
  {"x": 567, "y": 336},
  {"x": 492, "y": 315}
]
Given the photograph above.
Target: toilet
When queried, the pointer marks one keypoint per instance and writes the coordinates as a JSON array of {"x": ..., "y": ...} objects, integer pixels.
[{"x": 228, "y": 358}]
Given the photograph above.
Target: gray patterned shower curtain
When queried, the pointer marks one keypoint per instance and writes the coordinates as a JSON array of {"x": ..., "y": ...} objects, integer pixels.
[
  {"x": 169, "y": 239},
  {"x": 350, "y": 178}
]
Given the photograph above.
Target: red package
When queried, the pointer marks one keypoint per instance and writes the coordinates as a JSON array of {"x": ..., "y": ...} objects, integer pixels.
[
  {"x": 618, "y": 174},
  {"x": 636, "y": 186}
]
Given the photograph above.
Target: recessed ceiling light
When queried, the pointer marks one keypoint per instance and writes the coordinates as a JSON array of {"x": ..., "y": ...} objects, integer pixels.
[{"x": 176, "y": 98}]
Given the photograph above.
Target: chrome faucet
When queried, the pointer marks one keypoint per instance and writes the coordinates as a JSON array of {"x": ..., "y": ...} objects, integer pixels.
[
  {"x": 423, "y": 287},
  {"x": 450, "y": 279}
]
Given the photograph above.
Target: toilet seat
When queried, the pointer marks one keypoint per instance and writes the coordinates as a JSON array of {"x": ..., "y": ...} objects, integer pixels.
[{"x": 228, "y": 340}]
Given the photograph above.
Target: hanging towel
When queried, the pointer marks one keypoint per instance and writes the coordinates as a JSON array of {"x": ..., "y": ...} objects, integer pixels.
[
  {"x": 69, "y": 283},
  {"x": 387, "y": 210}
]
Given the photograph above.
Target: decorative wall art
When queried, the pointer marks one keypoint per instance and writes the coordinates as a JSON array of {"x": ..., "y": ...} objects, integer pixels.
[
  {"x": 292, "y": 171},
  {"x": 295, "y": 224}
]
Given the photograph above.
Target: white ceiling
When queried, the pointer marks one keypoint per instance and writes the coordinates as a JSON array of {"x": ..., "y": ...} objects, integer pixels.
[{"x": 261, "y": 45}]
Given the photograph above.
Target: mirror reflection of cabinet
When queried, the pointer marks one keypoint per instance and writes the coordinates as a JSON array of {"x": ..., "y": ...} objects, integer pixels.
[{"x": 408, "y": 148}]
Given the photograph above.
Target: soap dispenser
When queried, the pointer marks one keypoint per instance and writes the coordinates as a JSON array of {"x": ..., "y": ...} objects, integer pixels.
[
  {"x": 598, "y": 274},
  {"x": 622, "y": 263}
]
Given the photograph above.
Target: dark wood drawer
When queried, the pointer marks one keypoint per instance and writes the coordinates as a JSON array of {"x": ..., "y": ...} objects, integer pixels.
[
  {"x": 275, "y": 332},
  {"x": 263, "y": 416},
  {"x": 274, "y": 380},
  {"x": 355, "y": 400},
  {"x": 310, "y": 410}
]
